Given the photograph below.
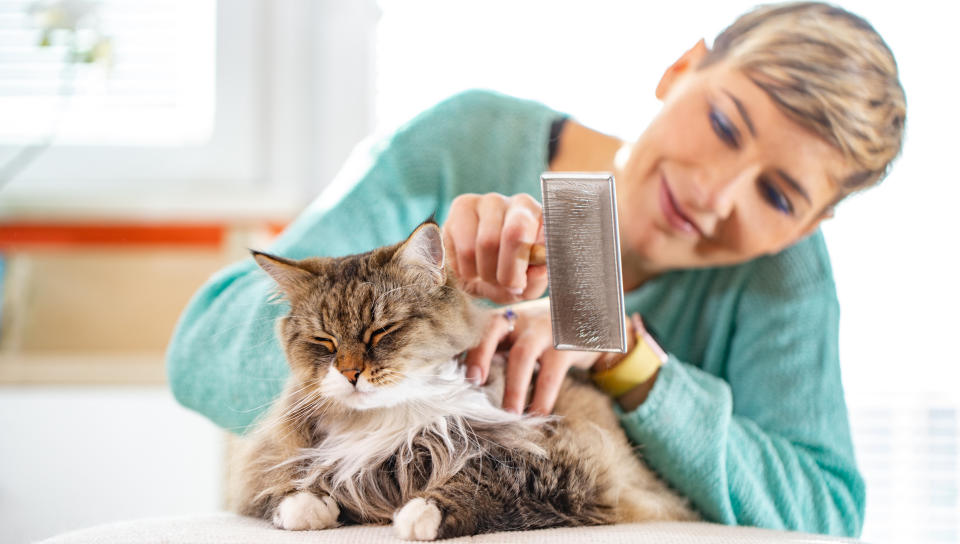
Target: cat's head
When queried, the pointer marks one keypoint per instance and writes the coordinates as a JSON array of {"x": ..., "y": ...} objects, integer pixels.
[{"x": 374, "y": 330}]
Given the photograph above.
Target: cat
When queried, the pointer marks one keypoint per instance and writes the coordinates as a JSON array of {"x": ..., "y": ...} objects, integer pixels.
[{"x": 377, "y": 423}]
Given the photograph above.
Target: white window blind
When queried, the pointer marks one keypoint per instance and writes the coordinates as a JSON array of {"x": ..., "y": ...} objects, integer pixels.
[
  {"x": 155, "y": 88},
  {"x": 280, "y": 87},
  {"x": 908, "y": 449},
  {"x": 180, "y": 113}
]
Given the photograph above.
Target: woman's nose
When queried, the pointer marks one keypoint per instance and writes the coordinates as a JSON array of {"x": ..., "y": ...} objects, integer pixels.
[{"x": 718, "y": 193}]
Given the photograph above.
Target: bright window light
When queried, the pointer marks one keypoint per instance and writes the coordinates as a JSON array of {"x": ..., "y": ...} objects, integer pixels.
[{"x": 132, "y": 73}]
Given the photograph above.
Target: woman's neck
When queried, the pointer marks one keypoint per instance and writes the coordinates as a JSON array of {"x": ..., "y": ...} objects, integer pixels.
[
  {"x": 581, "y": 149},
  {"x": 635, "y": 272}
]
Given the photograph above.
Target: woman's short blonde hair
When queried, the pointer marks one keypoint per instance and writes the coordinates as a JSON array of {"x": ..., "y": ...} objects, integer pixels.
[{"x": 829, "y": 70}]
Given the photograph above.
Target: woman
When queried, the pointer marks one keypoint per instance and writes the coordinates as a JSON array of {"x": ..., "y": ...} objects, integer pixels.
[{"x": 739, "y": 405}]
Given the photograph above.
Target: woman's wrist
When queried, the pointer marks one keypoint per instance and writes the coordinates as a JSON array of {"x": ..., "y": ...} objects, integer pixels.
[
  {"x": 609, "y": 360},
  {"x": 629, "y": 377},
  {"x": 632, "y": 399}
]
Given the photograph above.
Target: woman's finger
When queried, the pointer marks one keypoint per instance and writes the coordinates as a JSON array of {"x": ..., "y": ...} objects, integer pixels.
[
  {"x": 520, "y": 225},
  {"x": 553, "y": 368},
  {"x": 520, "y": 363},
  {"x": 479, "y": 358},
  {"x": 536, "y": 282},
  {"x": 490, "y": 213},
  {"x": 461, "y": 228},
  {"x": 536, "y": 275}
]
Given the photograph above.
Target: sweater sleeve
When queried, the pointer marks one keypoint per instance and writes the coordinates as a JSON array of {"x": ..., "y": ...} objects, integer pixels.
[{"x": 768, "y": 444}]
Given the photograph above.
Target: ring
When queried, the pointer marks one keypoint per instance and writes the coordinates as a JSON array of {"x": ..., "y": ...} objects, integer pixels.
[{"x": 511, "y": 318}]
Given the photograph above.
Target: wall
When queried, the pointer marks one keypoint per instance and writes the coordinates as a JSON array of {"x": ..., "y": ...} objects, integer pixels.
[{"x": 71, "y": 457}]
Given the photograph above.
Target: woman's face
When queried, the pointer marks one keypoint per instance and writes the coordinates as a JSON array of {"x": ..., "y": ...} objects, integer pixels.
[{"x": 721, "y": 175}]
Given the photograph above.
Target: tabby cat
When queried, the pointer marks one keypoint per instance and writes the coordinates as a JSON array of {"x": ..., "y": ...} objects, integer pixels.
[{"x": 377, "y": 423}]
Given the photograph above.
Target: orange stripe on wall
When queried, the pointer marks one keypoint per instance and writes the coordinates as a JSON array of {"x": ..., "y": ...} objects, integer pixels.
[
  {"x": 275, "y": 228},
  {"x": 22, "y": 235}
]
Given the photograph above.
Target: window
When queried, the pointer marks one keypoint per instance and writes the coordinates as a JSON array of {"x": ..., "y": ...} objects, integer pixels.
[
  {"x": 176, "y": 123},
  {"x": 236, "y": 108},
  {"x": 130, "y": 74}
]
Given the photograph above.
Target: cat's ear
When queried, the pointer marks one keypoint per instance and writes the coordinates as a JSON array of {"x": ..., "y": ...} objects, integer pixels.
[
  {"x": 287, "y": 273},
  {"x": 423, "y": 253}
]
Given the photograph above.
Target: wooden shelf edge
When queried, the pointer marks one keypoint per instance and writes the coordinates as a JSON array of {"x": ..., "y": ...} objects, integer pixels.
[{"x": 86, "y": 369}]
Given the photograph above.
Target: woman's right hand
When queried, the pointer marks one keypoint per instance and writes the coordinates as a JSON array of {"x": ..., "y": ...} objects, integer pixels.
[
  {"x": 525, "y": 330},
  {"x": 488, "y": 239}
]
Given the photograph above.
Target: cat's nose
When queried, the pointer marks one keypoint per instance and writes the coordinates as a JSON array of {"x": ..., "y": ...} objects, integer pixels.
[
  {"x": 351, "y": 374},
  {"x": 350, "y": 365}
]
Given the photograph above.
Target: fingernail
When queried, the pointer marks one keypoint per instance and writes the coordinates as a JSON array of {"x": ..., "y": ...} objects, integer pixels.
[
  {"x": 513, "y": 410},
  {"x": 515, "y": 291},
  {"x": 474, "y": 375}
]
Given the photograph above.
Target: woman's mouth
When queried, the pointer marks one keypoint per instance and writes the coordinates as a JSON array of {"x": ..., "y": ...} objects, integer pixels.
[{"x": 671, "y": 211}]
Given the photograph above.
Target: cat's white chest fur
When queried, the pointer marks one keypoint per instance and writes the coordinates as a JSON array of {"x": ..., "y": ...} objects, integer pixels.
[{"x": 386, "y": 422}]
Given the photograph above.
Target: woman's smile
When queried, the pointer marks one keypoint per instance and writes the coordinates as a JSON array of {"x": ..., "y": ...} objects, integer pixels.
[{"x": 674, "y": 215}]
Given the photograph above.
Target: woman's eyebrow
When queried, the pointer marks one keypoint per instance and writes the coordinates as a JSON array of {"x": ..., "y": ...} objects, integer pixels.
[
  {"x": 743, "y": 112},
  {"x": 786, "y": 177},
  {"x": 795, "y": 185}
]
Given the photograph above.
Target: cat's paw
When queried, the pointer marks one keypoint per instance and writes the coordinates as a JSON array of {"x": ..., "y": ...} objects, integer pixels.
[
  {"x": 304, "y": 511},
  {"x": 419, "y": 519}
]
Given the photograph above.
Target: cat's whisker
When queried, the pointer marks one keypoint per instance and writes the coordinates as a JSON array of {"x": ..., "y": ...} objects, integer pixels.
[
  {"x": 280, "y": 418},
  {"x": 311, "y": 398}
]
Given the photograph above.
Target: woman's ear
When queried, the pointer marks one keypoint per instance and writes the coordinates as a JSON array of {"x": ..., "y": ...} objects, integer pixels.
[{"x": 684, "y": 65}]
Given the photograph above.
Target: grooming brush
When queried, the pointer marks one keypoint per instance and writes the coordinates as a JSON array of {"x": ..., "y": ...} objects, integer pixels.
[{"x": 583, "y": 261}]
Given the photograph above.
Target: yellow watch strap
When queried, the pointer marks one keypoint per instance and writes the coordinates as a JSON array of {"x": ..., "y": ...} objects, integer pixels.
[{"x": 636, "y": 368}]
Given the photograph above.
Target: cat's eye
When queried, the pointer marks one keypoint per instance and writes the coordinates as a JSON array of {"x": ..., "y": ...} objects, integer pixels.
[
  {"x": 326, "y": 342},
  {"x": 378, "y": 334}
]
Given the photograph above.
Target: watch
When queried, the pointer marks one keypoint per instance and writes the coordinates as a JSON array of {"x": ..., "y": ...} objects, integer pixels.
[{"x": 638, "y": 366}]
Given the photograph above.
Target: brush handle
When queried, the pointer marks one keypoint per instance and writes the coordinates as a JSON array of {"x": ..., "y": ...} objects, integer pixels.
[{"x": 538, "y": 255}]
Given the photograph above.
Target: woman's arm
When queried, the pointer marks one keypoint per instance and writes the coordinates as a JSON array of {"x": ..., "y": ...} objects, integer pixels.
[{"x": 769, "y": 443}]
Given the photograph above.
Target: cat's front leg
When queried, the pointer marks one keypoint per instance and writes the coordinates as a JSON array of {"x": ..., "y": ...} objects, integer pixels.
[
  {"x": 304, "y": 511},
  {"x": 419, "y": 519},
  {"x": 438, "y": 515}
]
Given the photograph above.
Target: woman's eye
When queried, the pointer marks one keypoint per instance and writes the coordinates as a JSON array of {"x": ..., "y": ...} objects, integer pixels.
[
  {"x": 775, "y": 197},
  {"x": 726, "y": 131}
]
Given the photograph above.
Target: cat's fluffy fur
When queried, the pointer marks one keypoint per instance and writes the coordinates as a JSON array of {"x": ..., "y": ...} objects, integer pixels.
[{"x": 377, "y": 423}]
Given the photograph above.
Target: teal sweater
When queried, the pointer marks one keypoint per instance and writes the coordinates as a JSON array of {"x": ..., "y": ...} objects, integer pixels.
[{"x": 747, "y": 418}]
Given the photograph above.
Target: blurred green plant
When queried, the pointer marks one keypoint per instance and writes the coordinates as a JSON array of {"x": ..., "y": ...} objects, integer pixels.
[{"x": 74, "y": 23}]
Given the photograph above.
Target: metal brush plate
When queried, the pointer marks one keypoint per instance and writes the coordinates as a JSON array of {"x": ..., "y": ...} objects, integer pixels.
[{"x": 583, "y": 261}]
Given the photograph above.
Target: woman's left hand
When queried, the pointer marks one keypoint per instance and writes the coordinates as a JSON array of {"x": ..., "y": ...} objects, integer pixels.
[{"x": 525, "y": 328}]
